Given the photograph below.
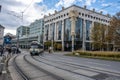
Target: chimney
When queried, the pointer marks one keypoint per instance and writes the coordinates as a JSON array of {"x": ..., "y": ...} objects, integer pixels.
[
  {"x": 45, "y": 16},
  {"x": 63, "y": 8},
  {"x": 108, "y": 15},
  {"x": 85, "y": 6},
  {"x": 101, "y": 12},
  {"x": 49, "y": 14},
  {"x": 55, "y": 11},
  {"x": 93, "y": 10}
]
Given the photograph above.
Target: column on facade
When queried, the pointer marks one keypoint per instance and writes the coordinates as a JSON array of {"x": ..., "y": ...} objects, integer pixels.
[
  {"x": 49, "y": 32},
  {"x": 63, "y": 35},
  {"x": 44, "y": 37},
  {"x": 84, "y": 35},
  {"x": 55, "y": 32},
  {"x": 38, "y": 38},
  {"x": 92, "y": 47}
]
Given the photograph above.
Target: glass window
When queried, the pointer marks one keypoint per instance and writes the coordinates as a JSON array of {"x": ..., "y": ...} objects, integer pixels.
[
  {"x": 59, "y": 29},
  {"x": 88, "y": 25},
  {"x": 52, "y": 30},
  {"x": 79, "y": 24},
  {"x": 46, "y": 31},
  {"x": 67, "y": 30}
]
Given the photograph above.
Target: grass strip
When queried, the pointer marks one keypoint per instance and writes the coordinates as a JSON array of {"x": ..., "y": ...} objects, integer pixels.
[{"x": 115, "y": 56}]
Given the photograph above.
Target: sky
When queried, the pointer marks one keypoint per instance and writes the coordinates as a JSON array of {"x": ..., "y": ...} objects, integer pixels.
[{"x": 12, "y": 10}]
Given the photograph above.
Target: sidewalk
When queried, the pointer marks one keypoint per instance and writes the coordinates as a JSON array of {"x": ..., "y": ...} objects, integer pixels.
[{"x": 4, "y": 74}]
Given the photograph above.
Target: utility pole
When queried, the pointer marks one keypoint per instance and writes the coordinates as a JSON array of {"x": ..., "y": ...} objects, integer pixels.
[
  {"x": 18, "y": 39},
  {"x": 0, "y": 8}
]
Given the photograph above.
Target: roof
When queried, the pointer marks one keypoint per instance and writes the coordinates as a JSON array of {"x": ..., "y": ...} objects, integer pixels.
[
  {"x": 80, "y": 8},
  {"x": 1, "y": 26}
]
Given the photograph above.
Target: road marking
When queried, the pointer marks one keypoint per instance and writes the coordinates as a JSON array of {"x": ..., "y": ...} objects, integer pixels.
[
  {"x": 4, "y": 72},
  {"x": 99, "y": 63},
  {"x": 85, "y": 72}
]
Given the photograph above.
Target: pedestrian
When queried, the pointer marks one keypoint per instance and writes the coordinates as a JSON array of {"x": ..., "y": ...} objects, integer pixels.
[
  {"x": 1, "y": 51},
  {"x": 50, "y": 49},
  {"x": 9, "y": 50}
]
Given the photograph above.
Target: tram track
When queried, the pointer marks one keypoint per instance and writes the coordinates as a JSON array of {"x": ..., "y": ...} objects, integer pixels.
[
  {"x": 104, "y": 74},
  {"x": 81, "y": 66},
  {"x": 26, "y": 74},
  {"x": 68, "y": 70},
  {"x": 22, "y": 74}
]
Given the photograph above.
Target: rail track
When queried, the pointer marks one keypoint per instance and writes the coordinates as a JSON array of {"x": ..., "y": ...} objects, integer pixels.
[
  {"x": 22, "y": 74},
  {"x": 102, "y": 74},
  {"x": 27, "y": 74}
]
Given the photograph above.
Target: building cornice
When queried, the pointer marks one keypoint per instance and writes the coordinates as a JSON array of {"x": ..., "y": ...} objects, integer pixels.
[
  {"x": 84, "y": 8},
  {"x": 2, "y": 26}
]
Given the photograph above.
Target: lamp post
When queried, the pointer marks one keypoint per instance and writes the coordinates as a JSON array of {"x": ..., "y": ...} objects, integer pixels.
[
  {"x": 73, "y": 15},
  {"x": 18, "y": 39}
]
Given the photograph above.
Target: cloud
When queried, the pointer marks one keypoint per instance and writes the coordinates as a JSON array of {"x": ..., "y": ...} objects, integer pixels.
[
  {"x": 66, "y": 3},
  {"x": 10, "y": 16},
  {"x": 89, "y": 2},
  {"x": 9, "y": 30},
  {"x": 106, "y": 4}
]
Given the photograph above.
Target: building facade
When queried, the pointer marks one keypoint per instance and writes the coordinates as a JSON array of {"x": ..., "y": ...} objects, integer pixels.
[
  {"x": 1, "y": 34},
  {"x": 22, "y": 31},
  {"x": 71, "y": 27},
  {"x": 25, "y": 35},
  {"x": 36, "y": 30}
]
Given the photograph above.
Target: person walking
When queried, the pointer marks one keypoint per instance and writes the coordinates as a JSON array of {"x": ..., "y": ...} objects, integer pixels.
[
  {"x": 50, "y": 49},
  {"x": 1, "y": 50}
]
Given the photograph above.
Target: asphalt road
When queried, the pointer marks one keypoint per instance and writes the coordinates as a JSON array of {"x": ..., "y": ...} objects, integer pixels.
[
  {"x": 112, "y": 66},
  {"x": 109, "y": 70},
  {"x": 76, "y": 68}
]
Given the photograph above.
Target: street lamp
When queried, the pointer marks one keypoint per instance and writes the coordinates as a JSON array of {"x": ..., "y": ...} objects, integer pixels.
[
  {"x": 73, "y": 15},
  {"x": 18, "y": 39}
]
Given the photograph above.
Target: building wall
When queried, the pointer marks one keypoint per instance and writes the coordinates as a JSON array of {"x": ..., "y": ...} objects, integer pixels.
[
  {"x": 22, "y": 31},
  {"x": 1, "y": 34},
  {"x": 36, "y": 29},
  {"x": 62, "y": 26}
]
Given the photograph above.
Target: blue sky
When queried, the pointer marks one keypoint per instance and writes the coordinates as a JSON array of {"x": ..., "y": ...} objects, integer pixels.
[{"x": 10, "y": 16}]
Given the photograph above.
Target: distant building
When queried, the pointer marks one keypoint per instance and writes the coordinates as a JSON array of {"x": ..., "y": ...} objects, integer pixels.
[
  {"x": 36, "y": 30},
  {"x": 34, "y": 33},
  {"x": 11, "y": 35},
  {"x": 1, "y": 34},
  {"x": 58, "y": 27},
  {"x": 22, "y": 31}
]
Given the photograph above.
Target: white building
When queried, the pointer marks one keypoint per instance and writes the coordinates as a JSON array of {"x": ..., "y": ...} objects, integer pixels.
[
  {"x": 36, "y": 30},
  {"x": 1, "y": 34},
  {"x": 22, "y": 31},
  {"x": 58, "y": 27}
]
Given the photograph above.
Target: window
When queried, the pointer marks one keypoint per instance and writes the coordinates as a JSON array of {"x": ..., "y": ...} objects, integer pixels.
[
  {"x": 82, "y": 14},
  {"x": 59, "y": 30},
  {"x": 79, "y": 24},
  {"x": 67, "y": 14},
  {"x": 67, "y": 30},
  {"x": 88, "y": 25}
]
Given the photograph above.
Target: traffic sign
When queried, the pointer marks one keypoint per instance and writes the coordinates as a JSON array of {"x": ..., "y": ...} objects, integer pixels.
[{"x": 7, "y": 39}]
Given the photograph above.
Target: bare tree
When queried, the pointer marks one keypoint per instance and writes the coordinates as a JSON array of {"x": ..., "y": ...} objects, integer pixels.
[
  {"x": 98, "y": 36},
  {"x": 114, "y": 31}
]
